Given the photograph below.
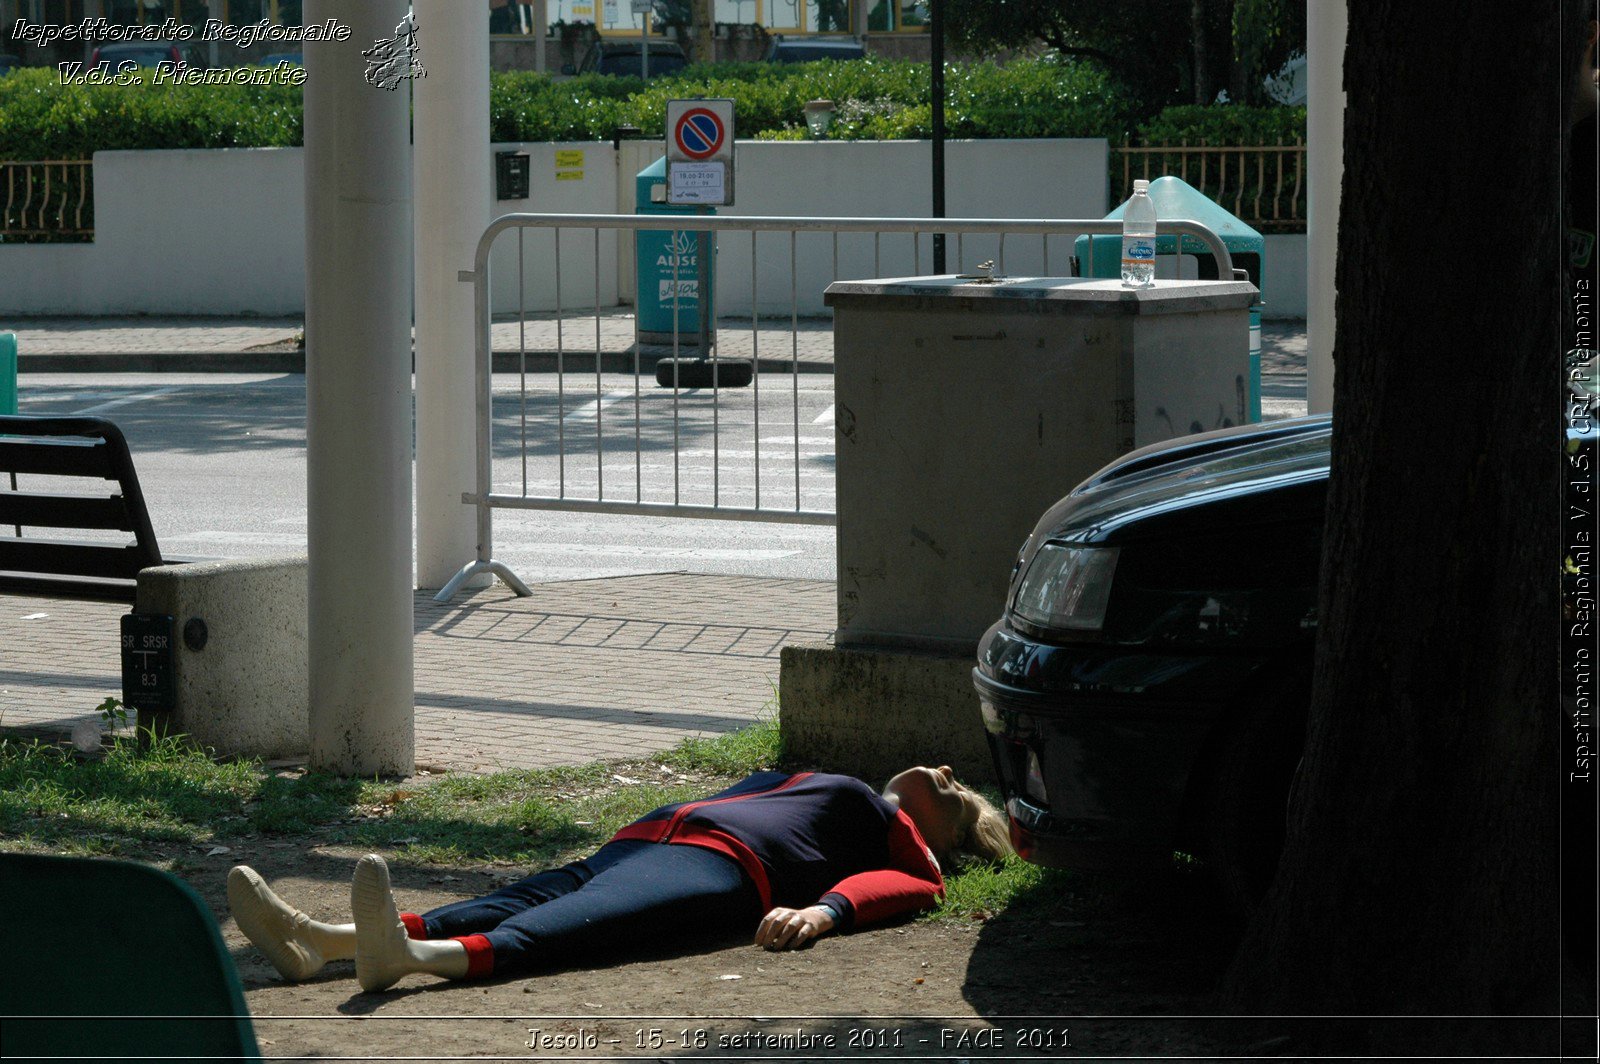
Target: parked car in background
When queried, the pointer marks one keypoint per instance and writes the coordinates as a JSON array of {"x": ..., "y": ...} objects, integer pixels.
[
  {"x": 292, "y": 58},
  {"x": 8, "y": 63},
  {"x": 1146, "y": 690},
  {"x": 783, "y": 49},
  {"x": 626, "y": 58},
  {"x": 146, "y": 54}
]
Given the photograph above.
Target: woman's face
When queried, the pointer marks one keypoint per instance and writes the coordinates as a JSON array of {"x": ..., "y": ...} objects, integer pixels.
[{"x": 941, "y": 808}]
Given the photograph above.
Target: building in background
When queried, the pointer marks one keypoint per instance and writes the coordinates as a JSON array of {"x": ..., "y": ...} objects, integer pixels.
[{"x": 741, "y": 28}]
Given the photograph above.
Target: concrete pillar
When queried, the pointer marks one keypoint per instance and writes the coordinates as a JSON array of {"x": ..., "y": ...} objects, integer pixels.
[
  {"x": 451, "y": 122},
  {"x": 358, "y": 398},
  {"x": 1326, "y": 21}
]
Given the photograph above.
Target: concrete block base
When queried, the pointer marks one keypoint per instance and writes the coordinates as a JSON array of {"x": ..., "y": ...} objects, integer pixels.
[
  {"x": 871, "y": 711},
  {"x": 244, "y": 692}
]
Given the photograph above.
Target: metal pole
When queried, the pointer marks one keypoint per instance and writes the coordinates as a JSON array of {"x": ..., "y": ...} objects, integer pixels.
[
  {"x": 644, "y": 45},
  {"x": 936, "y": 31},
  {"x": 702, "y": 262},
  {"x": 358, "y": 400}
]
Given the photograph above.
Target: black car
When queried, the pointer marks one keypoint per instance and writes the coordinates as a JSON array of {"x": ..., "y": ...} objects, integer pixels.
[
  {"x": 626, "y": 58},
  {"x": 1145, "y": 691},
  {"x": 783, "y": 49}
]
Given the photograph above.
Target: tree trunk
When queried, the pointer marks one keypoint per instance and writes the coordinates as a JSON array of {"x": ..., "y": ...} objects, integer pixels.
[
  {"x": 1420, "y": 877},
  {"x": 703, "y": 40},
  {"x": 1202, "y": 46}
]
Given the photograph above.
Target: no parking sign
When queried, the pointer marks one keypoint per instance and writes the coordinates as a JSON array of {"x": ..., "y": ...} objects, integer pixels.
[{"x": 700, "y": 152}]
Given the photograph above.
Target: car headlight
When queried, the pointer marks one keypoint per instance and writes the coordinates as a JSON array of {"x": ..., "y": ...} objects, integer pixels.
[{"x": 1067, "y": 587}]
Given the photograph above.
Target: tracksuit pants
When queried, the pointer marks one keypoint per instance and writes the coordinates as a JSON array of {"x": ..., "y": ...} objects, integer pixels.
[{"x": 628, "y": 893}]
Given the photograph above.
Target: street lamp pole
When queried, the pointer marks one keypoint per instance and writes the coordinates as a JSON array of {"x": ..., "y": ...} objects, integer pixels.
[{"x": 936, "y": 30}]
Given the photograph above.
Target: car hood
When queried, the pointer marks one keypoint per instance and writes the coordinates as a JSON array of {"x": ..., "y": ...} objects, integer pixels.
[{"x": 1251, "y": 473}]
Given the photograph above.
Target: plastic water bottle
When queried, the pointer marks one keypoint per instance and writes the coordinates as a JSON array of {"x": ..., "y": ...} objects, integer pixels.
[{"x": 1139, "y": 238}]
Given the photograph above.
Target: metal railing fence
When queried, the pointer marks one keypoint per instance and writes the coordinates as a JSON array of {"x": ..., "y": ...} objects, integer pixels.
[
  {"x": 1263, "y": 186},
  {"x": 663, "y": 420},
  {"x": 47, "y": 201}
]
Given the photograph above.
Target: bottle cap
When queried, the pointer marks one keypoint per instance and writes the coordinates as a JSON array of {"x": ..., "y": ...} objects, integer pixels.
[{"x": 1141, "y": 185}]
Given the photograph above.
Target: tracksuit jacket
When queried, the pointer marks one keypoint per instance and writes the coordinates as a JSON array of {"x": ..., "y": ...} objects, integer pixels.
[{"x": 807, "y": 838}]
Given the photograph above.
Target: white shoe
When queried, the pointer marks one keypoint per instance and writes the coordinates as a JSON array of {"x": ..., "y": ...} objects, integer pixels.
[
  {"x": 381, "y": 954},
  {"x": 274, "y": 926}
]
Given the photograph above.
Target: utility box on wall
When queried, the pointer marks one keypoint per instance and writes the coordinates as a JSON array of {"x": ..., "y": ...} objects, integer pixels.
[{"x": 965, "y": 409}]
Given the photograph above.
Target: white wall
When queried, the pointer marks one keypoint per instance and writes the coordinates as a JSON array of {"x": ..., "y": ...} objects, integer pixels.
[
  {"x": 223, "y": 231},
  {"x": 176, "y": 232},
  {"x": 1285, "y": 281}
]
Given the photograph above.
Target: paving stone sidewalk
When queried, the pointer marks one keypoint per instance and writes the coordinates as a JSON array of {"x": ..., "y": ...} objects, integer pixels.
[
  {"x": 268, "y": 344},
  {"x": 581, "y": 670},
  {"x": 549, "y": 342}
]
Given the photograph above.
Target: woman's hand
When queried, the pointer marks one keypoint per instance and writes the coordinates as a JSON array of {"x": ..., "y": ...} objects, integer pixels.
[{"x": 792, "y": 928}]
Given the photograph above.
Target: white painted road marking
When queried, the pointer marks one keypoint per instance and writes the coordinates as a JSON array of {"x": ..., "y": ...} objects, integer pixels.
[
  {"x": 90, "y": 411},
  {"x": 590, "y": 411}
]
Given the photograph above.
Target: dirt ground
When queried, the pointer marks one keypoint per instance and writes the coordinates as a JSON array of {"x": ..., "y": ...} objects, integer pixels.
[{"x": 1119, "y": 971}]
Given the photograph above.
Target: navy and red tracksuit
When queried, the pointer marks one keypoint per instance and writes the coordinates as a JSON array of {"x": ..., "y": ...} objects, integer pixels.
[{"x": 704, "y": 868}]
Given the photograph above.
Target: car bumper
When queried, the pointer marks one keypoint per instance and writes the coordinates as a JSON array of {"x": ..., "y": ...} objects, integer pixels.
[{"x": 1095, "y": 779}]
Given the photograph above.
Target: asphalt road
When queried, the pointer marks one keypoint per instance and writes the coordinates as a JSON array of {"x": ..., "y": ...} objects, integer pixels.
[{"x": 221, "y": 458}]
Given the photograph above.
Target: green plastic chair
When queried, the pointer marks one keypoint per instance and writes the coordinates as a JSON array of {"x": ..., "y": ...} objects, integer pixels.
[{"x": 111, "y": 959}]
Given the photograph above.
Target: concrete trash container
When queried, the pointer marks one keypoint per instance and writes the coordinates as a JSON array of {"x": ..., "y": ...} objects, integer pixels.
[
  {"x": 1175, "y": 198},
  {"x": 660, "y": 252}
]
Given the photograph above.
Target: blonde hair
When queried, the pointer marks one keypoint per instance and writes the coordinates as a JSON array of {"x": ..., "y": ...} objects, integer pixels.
[{"x": 989, "y": 837}]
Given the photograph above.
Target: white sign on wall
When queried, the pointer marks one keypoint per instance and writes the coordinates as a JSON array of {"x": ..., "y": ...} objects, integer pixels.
[{"x": 697, "y": 183}]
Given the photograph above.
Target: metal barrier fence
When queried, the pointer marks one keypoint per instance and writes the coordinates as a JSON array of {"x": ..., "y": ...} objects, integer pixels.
[
  {"x": 693, "y": 423},
  {"x": 47, "y": 201},
  {"x": 1264, "y": 186}
]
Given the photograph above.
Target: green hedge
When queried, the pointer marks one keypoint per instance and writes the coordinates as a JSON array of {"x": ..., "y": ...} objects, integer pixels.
[
  {"x": 878, "y": 99},
  {"x": 43, "y": 119},
  {"x": 1224, "y": 125}
]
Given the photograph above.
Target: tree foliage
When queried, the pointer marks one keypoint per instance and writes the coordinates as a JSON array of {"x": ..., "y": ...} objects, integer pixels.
[{"x": 1161, "y": 51}]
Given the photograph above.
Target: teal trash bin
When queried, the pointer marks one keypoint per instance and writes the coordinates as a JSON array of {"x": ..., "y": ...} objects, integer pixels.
[
  {"x": 1101, "y": 256},
  {"x": 657, "y": 253},
  {"x": 8, "y": 373}
]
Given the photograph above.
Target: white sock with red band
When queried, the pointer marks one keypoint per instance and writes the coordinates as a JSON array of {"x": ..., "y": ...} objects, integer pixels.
[
  {"x": 297, "y": 945},
  {"x": 384, "y": 950}
]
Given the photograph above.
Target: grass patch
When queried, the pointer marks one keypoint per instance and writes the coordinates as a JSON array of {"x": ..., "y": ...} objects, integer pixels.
[
  {"x": 165, "y": 792},
  {"x": 981, "y": 889},
  {"x": 736, "y": 754},
  {"x": 142, "y": 801}
]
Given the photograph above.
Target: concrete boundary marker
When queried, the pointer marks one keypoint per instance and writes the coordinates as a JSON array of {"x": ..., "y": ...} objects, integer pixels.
[
  {"x": 244, "y": 692},
  {"x": 874, "y": 711}
]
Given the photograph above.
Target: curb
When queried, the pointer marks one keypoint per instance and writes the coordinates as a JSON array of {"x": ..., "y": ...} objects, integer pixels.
[
  {"x": 295, "y": 362},
  {"x": 163, "y": 362}
]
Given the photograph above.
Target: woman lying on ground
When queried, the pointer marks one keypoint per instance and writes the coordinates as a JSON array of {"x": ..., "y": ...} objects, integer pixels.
[{"x": 814, "y": 852}]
